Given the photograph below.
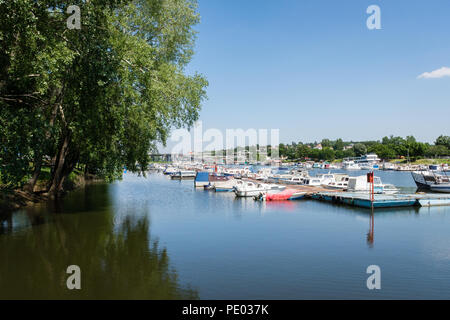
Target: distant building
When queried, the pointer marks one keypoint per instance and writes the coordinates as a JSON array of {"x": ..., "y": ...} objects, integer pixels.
[
  {"x": 348, "y": 147},
  {"x": 318, "y": 146}
]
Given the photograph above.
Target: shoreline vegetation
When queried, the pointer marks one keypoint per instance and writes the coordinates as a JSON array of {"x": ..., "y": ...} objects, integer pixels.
[
  {"x": 389, "y": 149},
  {"x": 14, "y": 199},
  {"x": 78, "y": 103}
]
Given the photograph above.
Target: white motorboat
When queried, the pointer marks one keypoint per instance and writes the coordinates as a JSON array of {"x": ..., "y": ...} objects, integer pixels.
[
  {"x": 340, "y": 182},
  {"x": 251, "y": 189},
  {"x": 295, "y": 180},
  {"x": 360, "y": 184},
  {"x": 326, "y": 178},
  {"x": 341, "y": 185},
  {"x": 319, "y": 180},
  {"x": 225, "y": 186},
  {"x": 312, "y": 181},
  {"x": 170, "y": 170},
  {"x": 390, "y": 189},
  {"x": 388, "y": 166},
  {"x": 184, "y": 174},
  {"x": 350, "y": 165}
]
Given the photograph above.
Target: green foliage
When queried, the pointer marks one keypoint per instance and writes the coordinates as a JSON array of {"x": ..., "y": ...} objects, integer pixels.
[
  {"x": 100, "y": 97},
  {"x": 443, "y": 141},
  {"x": 437, "y": 151},
  {"x": 388, "y": 148},
  {"x": 360, "y": 149}
]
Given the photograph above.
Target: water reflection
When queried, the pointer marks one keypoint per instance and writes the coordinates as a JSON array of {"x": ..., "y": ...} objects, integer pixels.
[
  {"x": 117, "y": 261},
  {"x": 6, "y": 223},
  {"x": 371, "y": 233},
  {"x": 228, "y": 248}
]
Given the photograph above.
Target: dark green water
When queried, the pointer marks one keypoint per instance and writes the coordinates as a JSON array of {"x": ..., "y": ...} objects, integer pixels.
[{"x": 160, "y": 239}]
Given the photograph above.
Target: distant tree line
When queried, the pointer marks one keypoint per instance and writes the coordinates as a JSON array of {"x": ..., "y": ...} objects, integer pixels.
[{"x": 388, "y": 148}]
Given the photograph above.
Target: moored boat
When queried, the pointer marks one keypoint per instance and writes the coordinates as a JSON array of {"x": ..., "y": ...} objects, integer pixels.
[
  {"x": 201, "y": 179},
  {"x": 390, "y": 189},
  {"x": 360, "y": 184},
  {"x": 184, "y": 174},
  {"x": 442, "y": 187},
  {"x": 288, "y": 194},
  {"x": 225, "y": 186},
  {"x": 431, "y": 180},
  {"x": 251, "y": 189}
]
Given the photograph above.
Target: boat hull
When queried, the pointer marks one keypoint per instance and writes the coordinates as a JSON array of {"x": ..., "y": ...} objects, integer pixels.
[
  {"x": 224, "y": 189},
  {"x": 249, "y": 193},
  {"x": 440, "y": 188},
  {"x": 434, "y": 202},
  {"x": 420, "y": 181}
]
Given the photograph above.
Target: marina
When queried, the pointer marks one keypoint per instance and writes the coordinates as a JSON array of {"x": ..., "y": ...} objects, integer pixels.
[{"x": 296, "y": 183}]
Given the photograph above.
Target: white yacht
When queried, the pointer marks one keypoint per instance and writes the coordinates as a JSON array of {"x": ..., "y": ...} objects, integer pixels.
[
  {"x": 340, "y": 182},
  {"x": 296, "y": 179},
  {"x": 360, "y": 184},
  {"x": 313, "y": 181},
  {"x": 350, "y": 165},
  {"x": 326, "y": 178},
  {"x": 370, "y": 158}
]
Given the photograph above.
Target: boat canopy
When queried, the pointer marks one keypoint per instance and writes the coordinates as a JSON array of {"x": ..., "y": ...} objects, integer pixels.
[{"x": 202, "y": 177}]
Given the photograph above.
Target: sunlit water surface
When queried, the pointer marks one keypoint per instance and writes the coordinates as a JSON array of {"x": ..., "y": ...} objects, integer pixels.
[{"x": 153, "y": 238}]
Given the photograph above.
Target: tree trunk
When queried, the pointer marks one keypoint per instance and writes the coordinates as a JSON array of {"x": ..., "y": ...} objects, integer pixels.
[
  {"x": 29, "y": 187},
  {"x": 58, "y": 169}
]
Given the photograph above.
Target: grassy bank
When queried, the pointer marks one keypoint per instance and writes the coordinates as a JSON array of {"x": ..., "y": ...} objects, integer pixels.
[{"x": 422, "y": 161}]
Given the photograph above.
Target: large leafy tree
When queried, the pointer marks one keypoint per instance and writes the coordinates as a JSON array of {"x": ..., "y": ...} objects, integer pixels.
[
  {"x": 443, "y": 141},
  {"x": 100, "y": 97}
]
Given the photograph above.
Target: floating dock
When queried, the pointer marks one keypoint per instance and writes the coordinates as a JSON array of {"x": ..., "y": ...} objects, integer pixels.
[{"x": 363, "y": 200}]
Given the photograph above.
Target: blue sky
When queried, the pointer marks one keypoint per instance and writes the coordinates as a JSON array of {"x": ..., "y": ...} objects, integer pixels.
[{"x": 314, "y": 70}]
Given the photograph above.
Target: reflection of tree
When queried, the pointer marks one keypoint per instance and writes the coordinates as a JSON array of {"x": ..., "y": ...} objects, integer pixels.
[
  {"x": 117, "y": 262},
  {"x": 5, "y": 222}
]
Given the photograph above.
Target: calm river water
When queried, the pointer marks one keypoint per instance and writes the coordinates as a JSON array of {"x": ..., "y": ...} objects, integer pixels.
[{"x": 153, "y": 238}]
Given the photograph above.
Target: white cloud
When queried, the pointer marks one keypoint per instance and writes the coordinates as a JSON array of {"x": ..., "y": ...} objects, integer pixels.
[{"x": 439, "y": 73}]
